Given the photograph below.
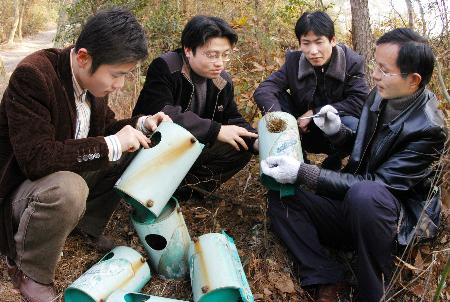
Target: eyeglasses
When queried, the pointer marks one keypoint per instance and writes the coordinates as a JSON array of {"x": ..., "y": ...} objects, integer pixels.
[
  {"x": 373, "y": 65},
  {"x": 214, "y": 56}
]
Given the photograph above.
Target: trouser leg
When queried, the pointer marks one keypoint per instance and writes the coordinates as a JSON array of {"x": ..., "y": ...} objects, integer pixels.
[
  {"x": 303, "y": 222},
  {"x": 45, "y": 211},
  {"x": 371, "y": 213},
  {"x": 216, "y": 165},
  {"x": 102, "y": 199}
]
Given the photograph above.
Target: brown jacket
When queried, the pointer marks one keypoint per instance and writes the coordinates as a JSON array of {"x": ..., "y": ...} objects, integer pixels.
[{"x": 37, "y": 127}]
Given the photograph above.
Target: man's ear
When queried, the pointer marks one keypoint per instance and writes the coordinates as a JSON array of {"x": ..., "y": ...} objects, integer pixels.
[
  {"x": 84, "y": 60},
  {"x": 333, "y": 41},
  {"x": 415, "y": 80},
  {"x": 188, "y": 52}
]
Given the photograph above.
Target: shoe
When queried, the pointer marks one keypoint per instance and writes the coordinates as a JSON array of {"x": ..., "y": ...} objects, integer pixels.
[
  {"x": 331, "y": 292},
  {"x": 101, "y": 243},
  {"x": 31, "y": 290}
]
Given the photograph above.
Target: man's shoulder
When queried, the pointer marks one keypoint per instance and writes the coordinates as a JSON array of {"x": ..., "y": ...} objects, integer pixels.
[
  {"x": 292, "y": 56},
  {"x": 173, "y": 60},
  {"x": 349, "y": 53}
]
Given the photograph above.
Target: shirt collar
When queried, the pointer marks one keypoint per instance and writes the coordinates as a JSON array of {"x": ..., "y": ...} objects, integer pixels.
[{"x": 79, "y": 92}]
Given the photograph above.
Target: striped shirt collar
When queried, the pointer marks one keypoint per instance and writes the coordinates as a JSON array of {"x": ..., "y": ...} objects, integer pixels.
[{"x": 78, "y": 91}]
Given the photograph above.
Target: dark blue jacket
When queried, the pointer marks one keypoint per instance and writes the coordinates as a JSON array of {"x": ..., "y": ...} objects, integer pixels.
[{"x": 344, "y": 84}]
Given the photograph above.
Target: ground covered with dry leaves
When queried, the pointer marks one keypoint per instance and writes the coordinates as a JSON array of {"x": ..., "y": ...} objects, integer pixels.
[{"x": 240, "y": 210}]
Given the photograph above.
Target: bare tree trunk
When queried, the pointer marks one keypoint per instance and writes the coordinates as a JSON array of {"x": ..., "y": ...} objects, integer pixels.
[
  {"x": 410, "y": 14},
  {"x": 362, "y": 38},
  {"x": 422, "y": 17},
  {"x": 15, "y": 24},
  {"x": 19, "y": 27}
]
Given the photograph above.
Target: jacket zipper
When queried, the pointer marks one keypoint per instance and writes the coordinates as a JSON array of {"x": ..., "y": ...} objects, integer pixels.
[
  {"x": 215, "y": 106},
  {"x": 367, "y": 146},
  {"x": 192, "y": 92}
]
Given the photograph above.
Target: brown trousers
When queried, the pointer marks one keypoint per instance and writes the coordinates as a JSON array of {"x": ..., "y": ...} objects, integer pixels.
[{"x": 46, "y": 210}]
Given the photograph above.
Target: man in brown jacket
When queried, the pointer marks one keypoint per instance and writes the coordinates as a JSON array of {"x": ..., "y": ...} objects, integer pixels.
[{"x": 61, "y": 147}]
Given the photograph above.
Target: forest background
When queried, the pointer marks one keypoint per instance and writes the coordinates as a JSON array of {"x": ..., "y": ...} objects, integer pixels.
[{"x": 265, "y": 30}]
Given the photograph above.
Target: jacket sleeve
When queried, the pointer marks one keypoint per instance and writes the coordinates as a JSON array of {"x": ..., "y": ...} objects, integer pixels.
[
  {"x": 399, "y": 173},
  {"x": 355, "y": 89},
  {"x": 158, "y": 94},
  {"x": 33, "y": 135},
  {"x": 267, "y": 94}
]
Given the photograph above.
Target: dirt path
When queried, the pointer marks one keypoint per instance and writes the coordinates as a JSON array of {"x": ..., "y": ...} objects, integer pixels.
[{"x": 12, "y": 56}]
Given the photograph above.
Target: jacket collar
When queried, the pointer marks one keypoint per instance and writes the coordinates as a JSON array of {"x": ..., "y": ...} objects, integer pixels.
[
  {"x": 335, "y": 70},
  {"x": 219, "y": 82}
]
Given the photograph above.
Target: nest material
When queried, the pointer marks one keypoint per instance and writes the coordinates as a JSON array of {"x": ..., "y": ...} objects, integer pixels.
[{"x": 275, "y": 124}]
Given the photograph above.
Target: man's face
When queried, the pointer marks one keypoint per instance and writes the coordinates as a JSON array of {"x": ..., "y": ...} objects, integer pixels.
[
  {"x": 317, "y": 49},
  {"x": 387, "y": 75},
  {"x": 208, "y": 60},
  {"x": 106, "y": 79}
]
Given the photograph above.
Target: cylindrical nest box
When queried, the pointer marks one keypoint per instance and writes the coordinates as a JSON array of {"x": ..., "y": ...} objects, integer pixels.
[
  {"x": 155, "y": 173},
  {"x": 216, "y": 270},
  {"x": 122, "y": 296},
  {"x": 166, "y": 241},
  {"x": 122, "y": 268},
  {"x": 278, "y": 135}
]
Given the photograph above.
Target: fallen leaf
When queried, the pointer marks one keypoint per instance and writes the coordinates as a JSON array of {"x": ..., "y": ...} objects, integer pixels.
[
  {"x": 267, "y": 292},
  {"x": 418, "y": 262},
  {"x": 418, "y": 290}
]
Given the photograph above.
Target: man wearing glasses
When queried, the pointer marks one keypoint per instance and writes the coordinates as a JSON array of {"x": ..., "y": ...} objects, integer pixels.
[
  {"x": 191, "y": 85},
  {"x": 386, "y": 194}
]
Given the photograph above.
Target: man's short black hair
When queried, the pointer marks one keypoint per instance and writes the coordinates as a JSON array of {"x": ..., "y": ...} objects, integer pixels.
[
  {"x": 414, "y": 56},
  {"x": 113, "y": 36},
  {"x": 202, "y": 28},
  {"x": 318, "y": 22}
]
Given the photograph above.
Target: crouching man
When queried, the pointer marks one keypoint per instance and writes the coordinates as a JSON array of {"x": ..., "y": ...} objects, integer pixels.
[
  {"x": 62, "y": 150},
  {"x": 380, "y": 196},
  {"x": 191, "y": 85}
]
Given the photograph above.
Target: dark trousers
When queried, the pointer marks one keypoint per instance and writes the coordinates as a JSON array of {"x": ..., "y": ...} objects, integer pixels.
[
  {"x": 366, "y": 221},
  {"x": 215, "y": 165}
]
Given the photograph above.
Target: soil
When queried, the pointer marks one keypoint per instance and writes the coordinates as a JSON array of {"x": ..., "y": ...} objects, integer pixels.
[{"x": 240, "y": 210}]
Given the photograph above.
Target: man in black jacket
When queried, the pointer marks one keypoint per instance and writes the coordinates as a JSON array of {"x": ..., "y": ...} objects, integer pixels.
[
  {"x": 321, "y": 73},
  {"x": 385, "y": 193},
  {"x": 192, "y": 87}
]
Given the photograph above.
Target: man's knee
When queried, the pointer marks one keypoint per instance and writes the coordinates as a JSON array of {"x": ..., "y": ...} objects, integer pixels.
[
  {"x": 67, "y": 194},
  {"x": 369, "y": 199}
]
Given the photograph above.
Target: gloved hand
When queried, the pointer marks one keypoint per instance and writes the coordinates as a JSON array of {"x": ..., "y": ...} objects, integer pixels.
[
  {"x": 328, "y": 121},
  {"x": 282, "y": 168}
]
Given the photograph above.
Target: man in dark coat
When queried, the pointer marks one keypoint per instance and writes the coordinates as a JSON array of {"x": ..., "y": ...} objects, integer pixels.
[
  {"x": 192, "y": 87},
  {"x": 321, "y": 73},
  {"x": 385, "y": 194},
  {"x": 62, "y": 150}
]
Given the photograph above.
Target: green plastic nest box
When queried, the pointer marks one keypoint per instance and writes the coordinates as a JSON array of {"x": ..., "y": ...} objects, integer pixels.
[
  {"x": 278, "y": 135},
  {"x": 155, "y": 173},
  {"x": 122, "y": 268},
  {"x": 216, "y": 271},
  {"x": 166, "y": 241},
  {"x": 122, "y": 296}
]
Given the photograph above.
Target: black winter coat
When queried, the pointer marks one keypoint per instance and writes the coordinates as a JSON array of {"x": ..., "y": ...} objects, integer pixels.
[
  {"x": 168, "y": 88},
  {"x": 402, "y": 160},
  {"x": 344, "y": 84}
]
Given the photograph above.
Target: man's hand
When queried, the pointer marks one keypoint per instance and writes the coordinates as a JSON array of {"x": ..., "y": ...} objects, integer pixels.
[
  {"x": 232, "y": 135},
  {"x": 152, "y": 121},
  {"x": 303, "y": 123},
  {"x": 131, "y": 139},
  {"x": 283, "y": 169},
  {"x": 329, "y": 121}
]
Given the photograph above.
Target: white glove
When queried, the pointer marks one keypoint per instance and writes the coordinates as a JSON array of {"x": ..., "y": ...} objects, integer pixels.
[
  {"x": 283, "y": 169},
  {"x": 329, "y": 122}
]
